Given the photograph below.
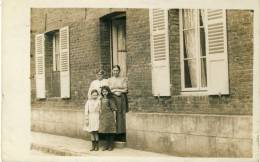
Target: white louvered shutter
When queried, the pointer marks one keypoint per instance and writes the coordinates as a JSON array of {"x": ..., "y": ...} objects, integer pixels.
[
  {"x": 160, "y": 52},
  {"x": 64, "y": 63},
  {"x": 218, "y": 81},
  {"x": 40, "y": 66}
]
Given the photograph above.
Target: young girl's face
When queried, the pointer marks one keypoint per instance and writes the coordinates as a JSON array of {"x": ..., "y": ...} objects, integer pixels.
[
  {"x": 104, "y": 92},
  {"x": 94, "y": 95}
]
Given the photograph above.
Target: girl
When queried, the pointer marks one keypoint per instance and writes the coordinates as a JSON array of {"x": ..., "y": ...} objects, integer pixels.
[
  {"x": 107, "y": 117},
  {"x": 92, "y": 110}
]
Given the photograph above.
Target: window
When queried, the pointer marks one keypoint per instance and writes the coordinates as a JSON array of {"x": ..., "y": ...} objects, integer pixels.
[
  {"x": 193, "y": 47},
  {"x": 52, "y": 64},
  {"x": 204, "y": 61}
]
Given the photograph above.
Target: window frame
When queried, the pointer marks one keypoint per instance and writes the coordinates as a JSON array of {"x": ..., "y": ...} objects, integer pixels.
[{"x": 198, "y": 58}]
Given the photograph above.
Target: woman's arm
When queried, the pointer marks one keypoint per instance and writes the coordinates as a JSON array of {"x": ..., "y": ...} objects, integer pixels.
[
  {"x": 90, "y": 89},
  {"x": 86, "y": 114},
  {"x": 86, "y": 108},
  {"x": 122, "y": 88},
  {"x": 99, "y": 105},
  {"x": 114, "y": 107}
]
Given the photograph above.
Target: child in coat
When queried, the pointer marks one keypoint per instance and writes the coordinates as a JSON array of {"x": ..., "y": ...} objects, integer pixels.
[{"x": 92, "y": 110}]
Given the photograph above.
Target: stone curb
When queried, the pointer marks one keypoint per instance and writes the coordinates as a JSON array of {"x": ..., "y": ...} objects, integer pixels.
[
  {"x": 54, "y": 150},
  {"x": 61, "y": 151}
]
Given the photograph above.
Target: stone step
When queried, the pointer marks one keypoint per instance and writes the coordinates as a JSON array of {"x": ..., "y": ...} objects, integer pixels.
[{"x": 119, "y": 144}]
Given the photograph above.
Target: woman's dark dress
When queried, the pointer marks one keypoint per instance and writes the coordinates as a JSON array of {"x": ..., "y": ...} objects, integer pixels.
[{"x": 120, "y": 114}]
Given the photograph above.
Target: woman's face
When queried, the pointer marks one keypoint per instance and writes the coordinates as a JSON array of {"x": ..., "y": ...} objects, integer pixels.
[
  {"x": 104, "y": 92},
  {"x": 116, "y": 72},
  {"x": 100, "y": 76}
]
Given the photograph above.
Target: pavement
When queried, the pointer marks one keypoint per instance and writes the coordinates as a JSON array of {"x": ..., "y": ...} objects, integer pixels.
[{"x": 48, "y": 144}]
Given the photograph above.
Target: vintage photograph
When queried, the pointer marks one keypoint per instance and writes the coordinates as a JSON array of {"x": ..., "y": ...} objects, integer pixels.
[{"x": 142, "y": 82}]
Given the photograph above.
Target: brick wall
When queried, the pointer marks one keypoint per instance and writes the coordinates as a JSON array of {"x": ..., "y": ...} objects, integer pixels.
[
  {"x": 90, "y": 49},
  {"x": 139, "y": 60}
]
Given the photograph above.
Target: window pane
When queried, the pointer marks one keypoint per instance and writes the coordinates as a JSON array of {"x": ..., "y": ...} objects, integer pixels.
[
  {"x": 202, "y": 42},
  {"x": 202, "y": 17},
  {"x": 190, "y": 74},
  {"x": 190, "y": 48},
  {"x": 203, "y": 72},
  {"x": 57, "y": 51},
  {"x": 189, "y": 19},
  {"x": 189, "y": 44}
]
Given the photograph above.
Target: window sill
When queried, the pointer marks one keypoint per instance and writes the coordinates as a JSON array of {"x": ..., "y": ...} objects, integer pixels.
[
  {"x": 194, "y": 93},
  {"x": 53, "y": 98}
]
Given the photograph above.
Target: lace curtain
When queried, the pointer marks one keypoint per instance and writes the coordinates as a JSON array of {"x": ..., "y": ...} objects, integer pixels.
[{"x": 190, "y": 50}]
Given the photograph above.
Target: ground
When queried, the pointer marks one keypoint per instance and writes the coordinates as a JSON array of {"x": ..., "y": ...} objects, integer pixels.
[{"x": 48, "y": 144}]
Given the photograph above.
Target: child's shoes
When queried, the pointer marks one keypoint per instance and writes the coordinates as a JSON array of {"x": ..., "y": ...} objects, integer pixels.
[
  {"x": 93, "y": 146},
  {"x": 96, "y": 146}
]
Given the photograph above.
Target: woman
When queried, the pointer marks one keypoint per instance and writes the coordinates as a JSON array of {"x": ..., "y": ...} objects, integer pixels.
[
  {"x": 118, "y": 86},
  {"x": 98, "y": 83}
]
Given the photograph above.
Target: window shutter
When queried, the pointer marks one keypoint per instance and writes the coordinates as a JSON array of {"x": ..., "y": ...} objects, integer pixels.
[
  {"x": 40, "y": 66},
  {"x": 218, "y": 81},
  {"x": 64, "y": 63},
  {"x": 160, "y": 52}
]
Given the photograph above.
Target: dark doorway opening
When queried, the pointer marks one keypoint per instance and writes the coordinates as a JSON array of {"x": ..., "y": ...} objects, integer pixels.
[{"x": 113, "y": 48}]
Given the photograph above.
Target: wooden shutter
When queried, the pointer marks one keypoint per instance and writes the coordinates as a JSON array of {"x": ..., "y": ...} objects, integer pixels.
[
  {"x": 218, "y": 81},
  {"x": 40, "y": 65},
  {"x": 160, "y": 52},
  {"x": 64, "y": 63}
]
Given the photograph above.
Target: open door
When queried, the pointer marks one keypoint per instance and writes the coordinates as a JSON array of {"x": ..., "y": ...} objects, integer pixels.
[{"x": 119, "y": 44}]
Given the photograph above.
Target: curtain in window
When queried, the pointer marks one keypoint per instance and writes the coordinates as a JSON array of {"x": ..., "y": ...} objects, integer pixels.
[{"x": 190, "y": 50}]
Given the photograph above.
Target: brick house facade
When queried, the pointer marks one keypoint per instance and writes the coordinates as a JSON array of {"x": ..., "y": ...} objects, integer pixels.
[{"x": 183, "y": 123}]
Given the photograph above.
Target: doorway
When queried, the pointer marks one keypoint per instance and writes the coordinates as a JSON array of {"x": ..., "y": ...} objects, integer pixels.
[
  {"x": 113, "y": 48},
  {"x": 118, "y": 39}
]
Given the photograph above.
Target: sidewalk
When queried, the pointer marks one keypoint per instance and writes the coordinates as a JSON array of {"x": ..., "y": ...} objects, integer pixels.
[{"x": 67, "y": 146}]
